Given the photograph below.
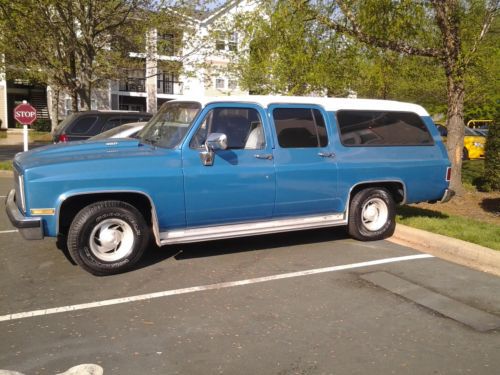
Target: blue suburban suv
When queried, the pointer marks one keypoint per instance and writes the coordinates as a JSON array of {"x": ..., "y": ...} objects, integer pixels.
[{"x": 215, "y": 168}]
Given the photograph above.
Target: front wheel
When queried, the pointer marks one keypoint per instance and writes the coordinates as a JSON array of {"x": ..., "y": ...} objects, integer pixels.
[
  {"x": 372, "y": 215},
  {"x": 107, "y": 237}
]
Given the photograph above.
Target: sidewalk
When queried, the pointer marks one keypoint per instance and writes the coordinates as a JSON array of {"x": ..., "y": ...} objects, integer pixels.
[
  {"x": 13, "y": 144},
  {"x": 14, "y": 137}
]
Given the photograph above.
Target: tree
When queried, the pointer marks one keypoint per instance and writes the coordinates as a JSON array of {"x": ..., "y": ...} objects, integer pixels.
[
  {"x": 415, "y": 37},
  {"x": 70, "y": 44},
  {"x": 445, "y": 30}
]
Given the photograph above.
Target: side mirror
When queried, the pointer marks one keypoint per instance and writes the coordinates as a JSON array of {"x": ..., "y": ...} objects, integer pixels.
[{"x": 214, "y": 142}]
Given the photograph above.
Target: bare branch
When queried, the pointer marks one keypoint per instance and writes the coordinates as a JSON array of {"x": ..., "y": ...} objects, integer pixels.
[{"x": 488, "y": 20}]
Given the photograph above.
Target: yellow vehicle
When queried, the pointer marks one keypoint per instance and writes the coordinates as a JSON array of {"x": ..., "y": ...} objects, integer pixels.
[
  {"x": 480, "y": 126},
  {"x": 473, "y": 142}
]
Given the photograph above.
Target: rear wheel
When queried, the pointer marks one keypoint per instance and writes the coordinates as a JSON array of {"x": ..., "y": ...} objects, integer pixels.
[
  {"x": 107, "y": 237},
  {"x": 372, "y": 215}
]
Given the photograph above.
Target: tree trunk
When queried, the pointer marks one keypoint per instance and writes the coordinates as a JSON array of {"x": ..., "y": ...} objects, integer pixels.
[
  {"x": 74, "y": 100},
  {"x": 456, "y": 130},
  {"x": 54, "y": 107}
]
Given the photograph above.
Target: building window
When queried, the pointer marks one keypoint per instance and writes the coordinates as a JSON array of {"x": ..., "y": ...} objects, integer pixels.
[
  {"x": 220, "y": 45},
  {"x": 226, "y": 41},
  {"x": 232, "y": 84},
  {"x": 168, "y": 44},
  {"x": 166, "y": 82},
  {"x": 68, "y": 106},
  {"x": 233, "y": 42},
  {"x": 220, "y": 83}
]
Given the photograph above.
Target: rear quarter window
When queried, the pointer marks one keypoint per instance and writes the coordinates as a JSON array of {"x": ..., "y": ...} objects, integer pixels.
[
  {"x": 382, "y": 128},
  {"x": 83, "y": 125}
]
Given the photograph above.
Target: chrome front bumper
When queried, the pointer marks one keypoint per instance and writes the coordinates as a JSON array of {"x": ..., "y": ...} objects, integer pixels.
[
  {"x": 31, "y": 228},
  {"x": 448, "y": 194}
]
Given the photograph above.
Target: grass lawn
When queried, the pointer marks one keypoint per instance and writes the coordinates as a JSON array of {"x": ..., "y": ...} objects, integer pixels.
[
  {"x": 40, "y": 136},
  {"x": 463, "y": 228},
  {"x": 5, "y": 165}
]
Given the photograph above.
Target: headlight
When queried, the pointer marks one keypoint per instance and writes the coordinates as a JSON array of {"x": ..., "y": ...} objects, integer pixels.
[{"x": 478, "y": 144}]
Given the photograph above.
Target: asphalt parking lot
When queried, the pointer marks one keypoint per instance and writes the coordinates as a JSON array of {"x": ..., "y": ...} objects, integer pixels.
[{"x": 312, "y": 302}]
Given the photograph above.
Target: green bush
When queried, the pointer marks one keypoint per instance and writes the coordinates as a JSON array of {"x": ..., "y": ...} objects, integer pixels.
[
  {"x": 42, "y": 125},
  {"x": 491, "y": 179}
]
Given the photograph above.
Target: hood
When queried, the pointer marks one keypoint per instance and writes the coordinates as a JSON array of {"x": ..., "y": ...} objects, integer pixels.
[{"x": 62, "y": 153}]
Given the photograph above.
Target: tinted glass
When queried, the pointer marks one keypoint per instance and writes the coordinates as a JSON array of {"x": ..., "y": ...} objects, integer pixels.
[
  {"x": 300, "y": 127},
  {"x": 83, "y": 125},
  {"x": 382, "y": 128},
  {"x": 242, "y": 126}
]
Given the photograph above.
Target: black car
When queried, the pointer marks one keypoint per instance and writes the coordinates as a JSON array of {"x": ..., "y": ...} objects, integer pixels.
[{"x": 79, "y": 126}]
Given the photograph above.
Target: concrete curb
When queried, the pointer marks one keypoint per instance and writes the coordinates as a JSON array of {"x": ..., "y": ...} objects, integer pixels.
[
  {"x": 457, "y": 251},
  {"x": 6, "y": 173}
]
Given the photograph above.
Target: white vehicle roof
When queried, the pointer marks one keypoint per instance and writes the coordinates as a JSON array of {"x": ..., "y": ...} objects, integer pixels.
[{"x": 329, "y": 104}]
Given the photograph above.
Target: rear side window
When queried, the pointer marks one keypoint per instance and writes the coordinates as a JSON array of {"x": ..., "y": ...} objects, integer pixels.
[
  {"x": 300, "y": 127},
  {"x": 382, "y": 128},
  {"x": 83, "y": 125}
]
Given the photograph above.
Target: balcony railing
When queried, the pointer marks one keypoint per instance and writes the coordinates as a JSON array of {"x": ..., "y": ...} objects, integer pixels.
[
  {"x": 169, "y": 87},
  {"x": 139, "y": 85},
  {"x": 133, "y": 84}
]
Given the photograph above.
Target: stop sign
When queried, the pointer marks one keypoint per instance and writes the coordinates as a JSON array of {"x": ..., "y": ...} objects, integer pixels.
[{"x": 25, "y": 114}]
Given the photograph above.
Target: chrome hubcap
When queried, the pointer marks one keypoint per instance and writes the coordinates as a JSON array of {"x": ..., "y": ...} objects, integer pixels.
[
  {"x": 112, "y": 240},
  {"x": 374, "y": 214}
]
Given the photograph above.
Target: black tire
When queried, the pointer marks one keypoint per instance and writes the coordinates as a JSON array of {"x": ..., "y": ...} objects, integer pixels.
[
  {"x": 372, "y": 215},
  {"x": 465, "y": 154},
  {"x": 107, "y": 237}
]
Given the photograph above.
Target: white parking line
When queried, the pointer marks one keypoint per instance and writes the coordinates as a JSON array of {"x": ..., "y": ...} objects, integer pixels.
[
  {"x": 8, "y": 231},
  {"x": 201, "y": 288}
]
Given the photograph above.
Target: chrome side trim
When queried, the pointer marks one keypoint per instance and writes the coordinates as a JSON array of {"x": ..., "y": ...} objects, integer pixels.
[
  {"x": 250, "y": 229},
  {"x": 154, "y": 215}
]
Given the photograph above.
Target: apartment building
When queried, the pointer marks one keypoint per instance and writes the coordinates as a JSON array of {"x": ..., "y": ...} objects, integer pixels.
[{"x": 172, "y": 66}]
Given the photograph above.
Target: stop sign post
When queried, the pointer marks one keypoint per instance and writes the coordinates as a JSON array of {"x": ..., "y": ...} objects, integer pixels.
[{"x": 25, "y": 114}]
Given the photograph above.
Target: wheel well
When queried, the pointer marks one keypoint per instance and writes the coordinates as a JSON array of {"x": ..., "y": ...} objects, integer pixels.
[
  {"x": 396, "y": 189},
  {"x": 71, "y": 206}
]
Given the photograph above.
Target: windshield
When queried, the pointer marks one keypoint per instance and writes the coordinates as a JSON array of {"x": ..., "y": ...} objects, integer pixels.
[
  {"x": 126, "y": 129},
  {"x": 469, "y": 131},
  {"x": 66, "y": 121},
  {"x": 169, "y": 126}
]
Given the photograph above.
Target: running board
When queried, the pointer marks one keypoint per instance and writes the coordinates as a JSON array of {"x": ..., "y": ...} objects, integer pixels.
[{"x": 250, "y": 229}]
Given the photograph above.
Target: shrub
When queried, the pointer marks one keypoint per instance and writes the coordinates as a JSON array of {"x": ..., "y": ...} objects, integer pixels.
[
  {"x": 42, "y": 125},
  {"x": 491, "y": 179}
]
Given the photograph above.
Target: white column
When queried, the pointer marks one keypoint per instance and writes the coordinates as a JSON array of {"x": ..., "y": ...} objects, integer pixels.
[{"x": 151, "y": 71}]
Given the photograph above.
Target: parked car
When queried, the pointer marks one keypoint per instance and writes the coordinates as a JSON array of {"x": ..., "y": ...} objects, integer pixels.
[
  {"x": 226, "y": 167},
  {"x": 473, "y": 142},
  {"x": 80, "y": 126},
  {"x": 129, "y": 130}
]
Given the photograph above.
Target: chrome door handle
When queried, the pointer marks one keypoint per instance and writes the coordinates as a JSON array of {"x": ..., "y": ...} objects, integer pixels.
[
  {"x": 264, "y": 156},
  {"x": 326, "y": 154}
]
